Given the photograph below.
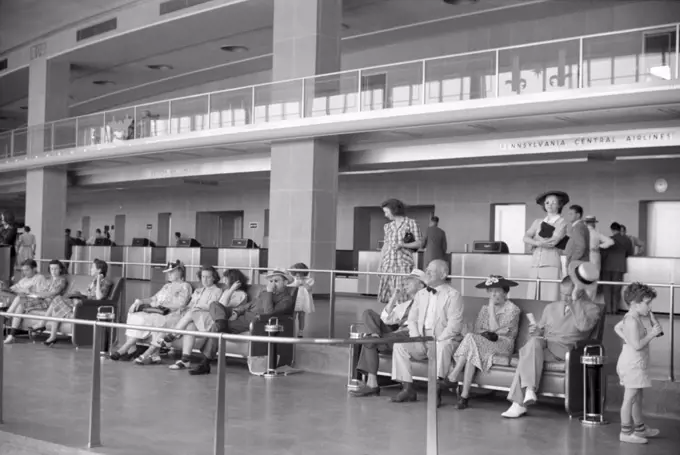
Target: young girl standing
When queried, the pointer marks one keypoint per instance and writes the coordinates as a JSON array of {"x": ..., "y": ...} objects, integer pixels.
[
  {"x": 633, "y": 363},
  {"x": 303, "y": 303}
]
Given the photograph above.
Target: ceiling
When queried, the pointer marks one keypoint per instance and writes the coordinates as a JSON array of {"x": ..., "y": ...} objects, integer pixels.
[{"x": 191, "y": 46}]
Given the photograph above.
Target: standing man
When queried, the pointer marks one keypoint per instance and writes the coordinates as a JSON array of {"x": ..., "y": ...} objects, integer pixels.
[
  {"x": 68, "y": 248},
  {"x": 434, "y": 242},
  {"x": 578, "y": 246},
  {"x": 638, "y": 245},
  {"x": 614, "y": 267},
  {"x": 598, "y": 241}
]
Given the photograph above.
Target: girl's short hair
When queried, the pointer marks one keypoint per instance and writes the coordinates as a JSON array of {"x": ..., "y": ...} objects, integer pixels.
[
  {"x": 295, "y": 268},
  {"x": 637, "y": 292},
  {"x": 209, "y": 268},
  {"x": 62, "y": 267},
  {"x": 234, "y": 275},
  {"x": 396, "y": 207}
]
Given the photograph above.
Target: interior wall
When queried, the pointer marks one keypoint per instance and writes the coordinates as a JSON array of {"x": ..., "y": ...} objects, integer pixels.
[{"x": 610, "y": 190}]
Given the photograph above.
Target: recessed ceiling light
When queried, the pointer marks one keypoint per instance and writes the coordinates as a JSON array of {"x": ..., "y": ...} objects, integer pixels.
[
  {"x": 103, "y": 82},
  {"x": 160, "y": 67},
  {"x": 234, "y": 48}
]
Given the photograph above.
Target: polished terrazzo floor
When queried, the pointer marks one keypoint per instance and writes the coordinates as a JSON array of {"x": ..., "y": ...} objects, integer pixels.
[{"x": 152, "y": 410}]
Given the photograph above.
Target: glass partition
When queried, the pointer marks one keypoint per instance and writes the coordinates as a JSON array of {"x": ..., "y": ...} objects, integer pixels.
[
  {"x": 5, "y": 145},
  {"x": 20, "y": 142},
  {"x": 119, "y": 125},
  {"x": 460, "y": 78},
  {"x": 152, "y": 120},
  {"x": 278, "y": 101},
  {"x": 189, "y": 114},
  {"x": 231, "y": 108},
  {"x": 64, "y": 134},
  {"x": 331, "y": 94},
  {"x": 91, "y": 129},
  {"x": 392, "y": 86}
]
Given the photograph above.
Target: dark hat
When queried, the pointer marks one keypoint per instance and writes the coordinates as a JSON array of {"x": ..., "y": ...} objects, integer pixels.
[
  {"x": 590, "y": 219},
  {"x": 173, "y": 266},
  {"x": 561, "y": 196},
  {"x": 496, "y": 281}
]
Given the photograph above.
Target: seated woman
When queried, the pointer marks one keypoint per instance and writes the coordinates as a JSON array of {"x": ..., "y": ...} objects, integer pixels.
[
  {"x": 495, "y": 333},
  {"x": 62, "y": 307},
  {"x": 392, "y": 322},
  {"x": 27, "y": 294},
  {"x": 235, "y": 294},
  {"x": 164, "y": 309},
  {"x": 54, "y": 286}
]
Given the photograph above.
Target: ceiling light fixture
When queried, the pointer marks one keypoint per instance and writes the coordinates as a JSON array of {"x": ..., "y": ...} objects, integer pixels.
[
  {"x": 160, "y": 67},
  {"x": 103, "y": 83},
  {"x": 234, "y": 48}
]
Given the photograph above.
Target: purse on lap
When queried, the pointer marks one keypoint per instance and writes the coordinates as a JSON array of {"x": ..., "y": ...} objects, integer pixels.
[{"x": 491, "y": 336}]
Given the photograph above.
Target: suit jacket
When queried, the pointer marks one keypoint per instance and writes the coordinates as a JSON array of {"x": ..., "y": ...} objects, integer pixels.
[
  {"x": 448, "y": 323},
  {"x": 614, "y": 258},
  {"x": 578, "y": 246},
  {"x": 564, "y": 329},
  {"x": 434, "y": 244}
]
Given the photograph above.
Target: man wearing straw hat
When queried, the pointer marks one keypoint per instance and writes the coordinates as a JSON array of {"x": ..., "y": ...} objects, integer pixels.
[
  {"x": 276, "y": 300},
  {"x": 562, "y": 325}
]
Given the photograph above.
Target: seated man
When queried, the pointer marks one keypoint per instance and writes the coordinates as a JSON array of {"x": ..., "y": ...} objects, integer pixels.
[
  {"x": 277, "y": 300},
  {"x": 390, "y": 323},
  {"x": 562, "y": 325},
  {"x": 436, "y": 311}
]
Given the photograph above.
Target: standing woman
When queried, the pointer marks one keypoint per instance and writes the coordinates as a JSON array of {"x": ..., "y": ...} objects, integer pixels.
[
  {"x": 402, "y": 239},
  {"x": 547, "y": 238},
  {"x": 25, "y": 246}
]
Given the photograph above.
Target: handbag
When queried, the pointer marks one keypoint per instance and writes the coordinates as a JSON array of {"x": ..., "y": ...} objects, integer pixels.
[
  {"x": 409, "y": 238},
  {"x": 146, "y": 308},
  {"x": 491, "y": 336}
]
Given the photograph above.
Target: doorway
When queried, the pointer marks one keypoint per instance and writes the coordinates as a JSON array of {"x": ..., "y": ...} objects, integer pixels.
[
  {"x": 164, "y": 229},
  {"x": 218, "y": 229},
  {"x": 509, "y": 225},
  {"x": 85, "y": 227},
  {"x": 662, "y": 221},
  {"x": 119, "y": 230}
]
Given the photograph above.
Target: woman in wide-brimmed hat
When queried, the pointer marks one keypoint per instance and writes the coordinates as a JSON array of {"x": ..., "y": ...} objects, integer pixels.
[
  {"x": 163, "y": 309},
  {"x": 547, "y": 238},
  {"x": 494, "y": 334}
]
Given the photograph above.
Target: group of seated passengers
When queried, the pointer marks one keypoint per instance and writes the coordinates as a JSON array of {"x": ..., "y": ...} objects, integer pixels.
[
  {"x": 35, "y": 292},
  {"x": 210, "y": 308},
  {"x": 430, "y": 306}
]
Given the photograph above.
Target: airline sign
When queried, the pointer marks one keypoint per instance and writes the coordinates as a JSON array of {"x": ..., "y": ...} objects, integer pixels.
[{"x": 596, "y": 142}]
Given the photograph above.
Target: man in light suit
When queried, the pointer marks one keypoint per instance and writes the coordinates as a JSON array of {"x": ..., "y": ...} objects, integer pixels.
[
  {"x": 578, "y": 247},
  {"x": 436, "y": 311}
]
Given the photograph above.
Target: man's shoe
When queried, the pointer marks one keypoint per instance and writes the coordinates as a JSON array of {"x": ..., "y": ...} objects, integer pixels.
[
  {"x": 632, "y": 438},
  {"x": 514, "y": 411},
  {"x": 530, "y": 397},
  {"x": 407, "y": 394},
  {"x": 462, "y": 403},
  {"x": 202, "y": 368},
  {"x": 221, "y": 325},
  {"x": 366, "y": 391}
]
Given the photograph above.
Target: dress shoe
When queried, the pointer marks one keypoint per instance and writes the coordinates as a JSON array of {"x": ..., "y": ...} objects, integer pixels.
[
  {"x": 408, "y": 394},
  {"x": 462, "y": 403},
  {"x": 366, "y": 391},
  {"x": 201, "y": 368},
  {"x": 115, "y": 356},
  {"x": 530, "y": 397},
  {"x": 514, "y": 411}
]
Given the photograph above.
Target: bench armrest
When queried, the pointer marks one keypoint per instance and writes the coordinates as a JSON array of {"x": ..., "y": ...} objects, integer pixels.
[{"x": 573, "y": 377}]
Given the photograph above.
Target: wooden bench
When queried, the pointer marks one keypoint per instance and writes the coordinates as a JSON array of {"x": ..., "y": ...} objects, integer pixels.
[{"x": 562, "y": 380}]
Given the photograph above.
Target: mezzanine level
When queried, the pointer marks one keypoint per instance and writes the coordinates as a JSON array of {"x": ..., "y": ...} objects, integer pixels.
[{"x": 640, "y": 64}]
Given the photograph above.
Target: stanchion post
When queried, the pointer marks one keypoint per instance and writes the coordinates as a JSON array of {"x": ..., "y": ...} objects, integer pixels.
[
  {"x": 220, "y": 414},
  {"x": 331, "y": 307},
  {"x": 94, "y": 439},
  {"x": 671, "y": 335},
  {"x": 2, "y": 371},
  {"x": 432, "y": 447}
]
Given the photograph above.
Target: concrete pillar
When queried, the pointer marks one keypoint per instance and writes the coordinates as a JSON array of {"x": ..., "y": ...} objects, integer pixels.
[
  {"x": 46, "y": 188},
  {"x": 304, "y": 175}
]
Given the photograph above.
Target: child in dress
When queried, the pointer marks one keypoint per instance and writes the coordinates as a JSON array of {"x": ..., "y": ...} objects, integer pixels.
[
  {"x": 304, "y": 302},
  {"x": 633, "y": 363}
]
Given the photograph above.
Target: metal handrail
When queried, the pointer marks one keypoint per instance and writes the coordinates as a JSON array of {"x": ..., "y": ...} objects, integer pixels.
[
  {"x": 334, "y": 273},
  {"x": 94, "y": 433},
  {"x": 252, "y": 88}
]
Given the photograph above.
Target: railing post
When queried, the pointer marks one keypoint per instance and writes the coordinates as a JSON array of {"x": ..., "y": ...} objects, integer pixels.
[
  {"x": 220, "y": 413},
  {"x": 580, "y": 63},
  {"x": 51, "y": 142},
  {"x": 169, "y": 132},
  {"x": 432, "y": 441},
  {"x": 77, "y": 134},
  {"x": 11, "y": 144},
  {"x": 208, "y": 116},
  {"x": 252, "y": 106},
  {"x": 331, "y": 307},
  {"x": 422, "y": 90},
  {"x": 497, "y": 89},
  {"x": 671, "y": 335},
  {"x": 538, "y": 289},
  {"x": 677, "y": 51},
  {"x": 2, "y": 372},
  {"x": 359, "y": 91},
  {"x": 302, "y": 100},
  {"x": 94, "y": 439}
]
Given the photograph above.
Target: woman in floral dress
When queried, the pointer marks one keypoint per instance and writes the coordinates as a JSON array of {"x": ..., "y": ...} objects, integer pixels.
[
  {"x": 164, "y": 309},
  {"x": 495, "y": 333},
  {"x": 33, "y": 292},
  {"x": 397, "y": 255},
  {"x": 62, "y": 307}
]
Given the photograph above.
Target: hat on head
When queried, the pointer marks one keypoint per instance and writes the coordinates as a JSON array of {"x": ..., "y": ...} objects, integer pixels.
[
  {"x": 418, "y": 275},
  {"x": 280, "y": 272},
  {"x": 583, "y": 273},
  {"x": 496, "y": 281},
  {"x": 590, "y": 219},
  {"x": 173, "y": 266},
  {"x": 561, "y": 196}
]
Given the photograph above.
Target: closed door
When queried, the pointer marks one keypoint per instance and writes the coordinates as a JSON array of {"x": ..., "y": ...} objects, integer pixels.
[
  {"x": 119, "y": 230},
  {"x": 85, "y": 227},
  {"x": 662, "y": 229},
  {"x": 510, "y": 225},
  {"x": 164, "y": 229}
]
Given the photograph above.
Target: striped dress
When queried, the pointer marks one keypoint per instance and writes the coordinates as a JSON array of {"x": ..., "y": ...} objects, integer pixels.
[{"x": 395, "y": 259}]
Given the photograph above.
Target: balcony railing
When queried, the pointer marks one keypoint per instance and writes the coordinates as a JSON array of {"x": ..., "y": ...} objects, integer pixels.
[{"x": 645, "y": 55}]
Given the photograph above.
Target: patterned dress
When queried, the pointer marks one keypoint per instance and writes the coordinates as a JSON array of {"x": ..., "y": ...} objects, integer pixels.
[
  {"x": 200, "y": 305},
  {"x": 173, "y": 296},
  {"x": 53, "y": 286},
  {"x": 480, "y": 351},
  {"x": 36, "y": 283},
  {"x": 632, "y": 366},
  {"x": 394, "y": 259},
  {"x": 62, "y": 307}
]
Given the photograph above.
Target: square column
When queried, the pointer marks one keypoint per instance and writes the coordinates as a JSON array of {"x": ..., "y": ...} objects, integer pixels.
[
  {"x": 48, "y": 89},
  {"x": 304, "y": 174}
]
